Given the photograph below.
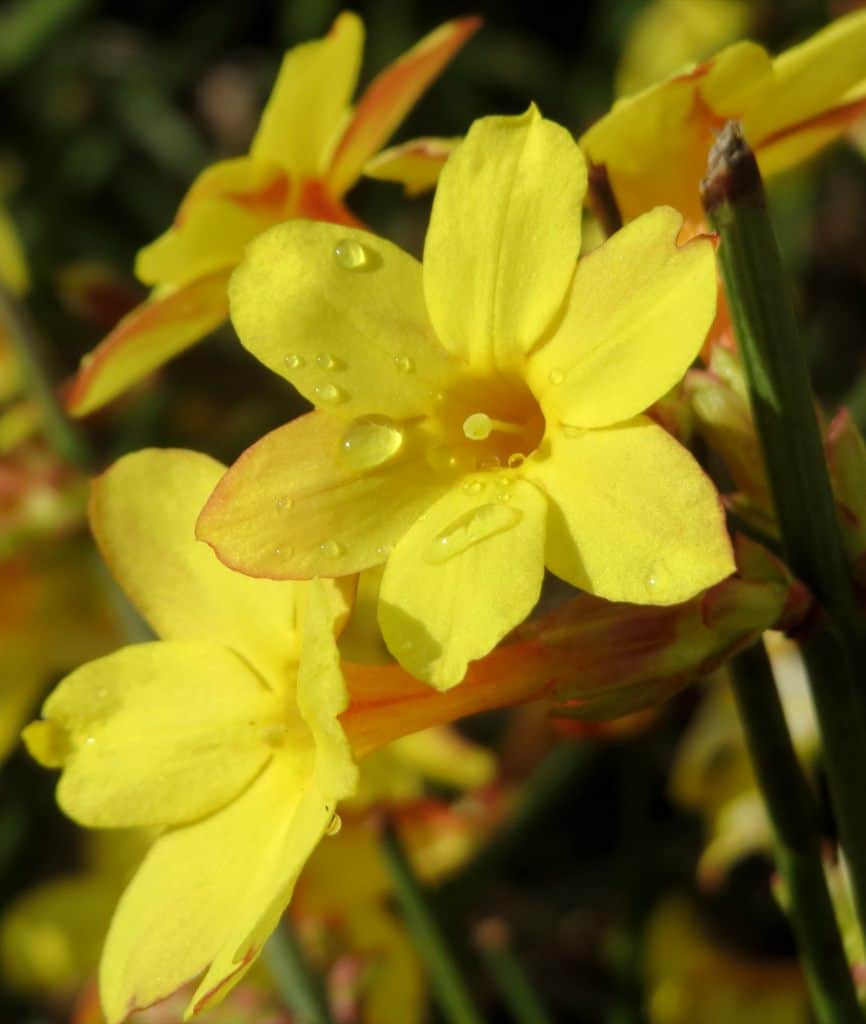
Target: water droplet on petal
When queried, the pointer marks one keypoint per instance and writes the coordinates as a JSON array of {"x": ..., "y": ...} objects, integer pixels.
[
  {"x": 404, "y": 363},
  {"x": 284, "y": 503},
  {"x": 90, "y": 741},
  {"x": 350, "y": 254},
  {"x": 473, "y": 487},
  {"x": 516, "y": 459},
  {"x": 325, "y": 361},
  {"x": 470, "y": 529},
  {"x": 652, "y": 581},
  {"x": 294, "y": 361},
  {"x": 334, "y": 825},
  {"x": 331, "y": 548},
  {"x": 556, "y": 376},
  {"x": 383, "y": 550},
  {"x": 329, "y": 393},
  {"x": 371, "y": 441}
]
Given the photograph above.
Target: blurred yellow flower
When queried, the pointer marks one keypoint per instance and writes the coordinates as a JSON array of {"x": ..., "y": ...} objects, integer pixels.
[
  {"x": 310, "y": 149},
  {"x": 224, "y": 734},
  {"x": 13, "y": 267},
  {"x": 480, "y": 418},
  {"x": 654, "y": 145},
  {"x": 692, "y": 980}
]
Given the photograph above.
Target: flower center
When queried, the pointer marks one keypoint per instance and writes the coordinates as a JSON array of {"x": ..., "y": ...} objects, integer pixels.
[{"x": 485, "y": 423}]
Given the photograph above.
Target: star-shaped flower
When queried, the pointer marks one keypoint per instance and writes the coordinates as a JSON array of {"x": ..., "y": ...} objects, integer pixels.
[
  {"x": 481, "y": 417},
  {"x": 310, "y": 149}
]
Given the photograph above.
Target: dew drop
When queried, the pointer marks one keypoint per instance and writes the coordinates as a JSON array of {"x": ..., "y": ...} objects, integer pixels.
[
  {"x": 471, "y": 528},
  {"x": 515, "y": 459},
  {"x": 652, "y": 581},
  {"x": 329, "y": 393},
  {"x": 556, "y": 376},
  {"x": 441, "y": 458},
  {"x": 284, "y": 503},
  {"x": 350, "y": 254},
  {"x": 325, "y": 361},
  {"x": 473, "y": 487},
  {"x": 331, "y": 548},
  {"x": 334, "y": 825},
  {"x": 370, "y": 441},
  {"x": 405, "y": 364},
  {"x": 383, "y": 550},
  {"x": 90, "y": 741},
  {"x": 294, "y": 361}
]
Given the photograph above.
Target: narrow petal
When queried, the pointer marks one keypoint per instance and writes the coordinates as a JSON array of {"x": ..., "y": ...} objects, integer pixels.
[
  {"x": 637, "y": 314},
  {"x": 390, "y": 97},
  {"x": 632, "y": 516},
  {"x": 143, "y": 512},
  {"x": 416, "y": 165},
  {"x": 228, "y": 205},
  {"x": 340, "y": 314},
  {"x": 811, "y": 78},
  {"x": 156, "y": 331},
  {"x": 204, "y": 890},
  {"x": 309, "y": 100},
  {"x": 297, "y": 504},
  {"x": 155, "y": 734},
  {"x": 504, "y": 237},
  {"x": 464, "y": 575}
]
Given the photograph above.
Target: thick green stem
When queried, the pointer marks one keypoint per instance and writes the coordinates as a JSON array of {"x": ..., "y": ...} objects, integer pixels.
[
  {"x": 514, "y": 986},
  {"x": 765, "y": 325},
  {"x": 793, "y": 813},
  {"x": 301, "y": 990},
  {"x": 448, "y": 986},
  {"x": 31, "y": 350}
]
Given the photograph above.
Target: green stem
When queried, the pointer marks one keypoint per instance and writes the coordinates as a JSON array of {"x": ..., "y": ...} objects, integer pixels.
[
  {"x": 448, "y": 986},
  {"x": 301, "y": 990},
  {"x": 765, "y": 325},
  {"x": 793, "y": 813},
  {"x": 514, "y": 986},
  {"x": 32, "y": 352}
]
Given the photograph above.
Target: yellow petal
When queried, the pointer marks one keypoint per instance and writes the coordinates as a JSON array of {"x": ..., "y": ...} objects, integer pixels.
[
  {"x": 208, "y": 895},
  {"x": 465, "y": 574},
  {"x": 299, "y": 503},
  {"x": 632, "y": 515},
  {"x": 445, "y": 756},
  {"x": 155, "y": 734},
  {"x": 308, "y": 103},
  {"x": 637, "y": 315},
  {"x": 390, "y": 97},
  {"x": 340, "y": 314},
  {"x": 416, "y": 165},
  {"x": 203, "y": 890},
  {"x": 13, "y": 267},
  {"x": 212, "y": 238},
  {"x": 143, "y": 512},
  {"x": 504, "y": 237},
  {"x": 812, "y": 77},
  {"x": 654, "y": 145},
  {"x": 154, "y": 332}
]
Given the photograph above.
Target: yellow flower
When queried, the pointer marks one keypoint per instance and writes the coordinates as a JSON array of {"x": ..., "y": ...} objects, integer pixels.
[
  {"x": 224, "y": 734},
  {"x": 691, "y": 979},
  {"x": 481, "y": 418},
  {"x": 310, "y": 149},
  {"x": 654, "y": 145}
]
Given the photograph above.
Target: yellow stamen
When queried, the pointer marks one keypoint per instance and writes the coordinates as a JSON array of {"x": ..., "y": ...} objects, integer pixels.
[{"x": 479, "y": 426}]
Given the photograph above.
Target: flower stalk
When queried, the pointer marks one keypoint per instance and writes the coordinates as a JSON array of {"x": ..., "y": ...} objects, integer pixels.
[
  {"x": 765, "y": 325},
  {"x": 300, "y": 988},
  {"x": 32, "y": 352},
  {"x": 448, "y": 986},
  {"x": 791, "y": 807}
]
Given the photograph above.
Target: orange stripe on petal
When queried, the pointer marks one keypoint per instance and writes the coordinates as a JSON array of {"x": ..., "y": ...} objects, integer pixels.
[
  {"x": 391, "y": 95},
  {"x": 316, "y": 203},
  {"x": 149, "y": 336},
  {"x": 840, "y": 117}
]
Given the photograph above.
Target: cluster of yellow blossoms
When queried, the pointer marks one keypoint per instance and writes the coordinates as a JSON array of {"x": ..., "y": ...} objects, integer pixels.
[{"x": 478, "y": 417}]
